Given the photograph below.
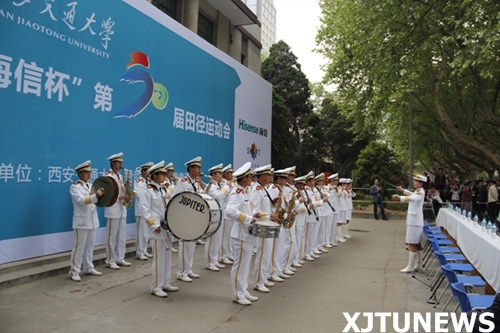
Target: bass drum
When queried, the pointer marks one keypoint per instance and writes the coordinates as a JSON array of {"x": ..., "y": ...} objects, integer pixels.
[
  {"x": 191, "y": 216},
  {"x": 110, "y": 188}
]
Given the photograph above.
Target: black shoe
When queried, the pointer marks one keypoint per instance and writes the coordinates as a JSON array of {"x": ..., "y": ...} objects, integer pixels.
[
  {"x": 385, "y": 219},
  {"x": 376, "y": 218}
]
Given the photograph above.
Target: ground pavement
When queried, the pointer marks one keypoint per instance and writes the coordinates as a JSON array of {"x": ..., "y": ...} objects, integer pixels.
[{"x": 361, "y": 275}]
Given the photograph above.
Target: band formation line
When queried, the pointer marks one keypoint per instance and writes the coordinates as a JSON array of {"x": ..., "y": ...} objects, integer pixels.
[{"x": 280, "y": 219}]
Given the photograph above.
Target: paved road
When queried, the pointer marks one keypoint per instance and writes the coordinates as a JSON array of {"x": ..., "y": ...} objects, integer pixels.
[{"x": 359, "y": 276}]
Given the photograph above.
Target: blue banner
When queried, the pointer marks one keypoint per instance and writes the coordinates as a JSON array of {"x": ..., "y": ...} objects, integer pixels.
[{"x": 88, "y": 79}]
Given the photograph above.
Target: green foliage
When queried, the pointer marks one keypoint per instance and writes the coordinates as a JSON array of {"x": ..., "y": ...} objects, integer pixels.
[
  {"x": 290, "y": 103},
  {"x": 376, "y": 161},
  {"x": 445, "y": 53}
]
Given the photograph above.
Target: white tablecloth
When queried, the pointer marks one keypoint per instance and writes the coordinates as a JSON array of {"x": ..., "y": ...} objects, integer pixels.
[{"x": 478, "y": 247}]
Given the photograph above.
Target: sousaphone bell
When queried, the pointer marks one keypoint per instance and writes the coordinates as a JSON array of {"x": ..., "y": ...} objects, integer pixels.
[{"x": 110, "y": 188}]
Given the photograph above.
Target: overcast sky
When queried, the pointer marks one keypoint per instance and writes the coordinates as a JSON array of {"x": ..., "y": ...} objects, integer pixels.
[{"x": 297, "y": 23}]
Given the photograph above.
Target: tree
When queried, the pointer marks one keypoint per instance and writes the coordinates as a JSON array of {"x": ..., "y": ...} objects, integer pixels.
[
  {"x": 443, "y": 53},
  {"x": 376, "y": 161},
  {"x": 290, "y": 103}
]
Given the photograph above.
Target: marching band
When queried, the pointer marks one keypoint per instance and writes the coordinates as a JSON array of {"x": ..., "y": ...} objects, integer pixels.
[{"x": 280, "y": 219}]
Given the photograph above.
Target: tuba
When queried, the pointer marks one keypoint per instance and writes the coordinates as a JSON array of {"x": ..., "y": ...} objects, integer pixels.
[{"x": 128, "y": 190}]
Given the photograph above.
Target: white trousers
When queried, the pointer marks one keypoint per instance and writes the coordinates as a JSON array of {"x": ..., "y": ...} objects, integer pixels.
[
  {"x": 116, "y": 241},
  {"x": 321, "y": 233},
  {"x": 289, "y": 253},
  {"x": 227, "y": 250},
  {"x": 277, "y": 250},
  {"x": 240, "y": 270},
  {"x": 141, "y": 240},
  {"x": 212, "y": 248},
  {"x": 262, "y": 263},
  {"x": 332, "y": 229},
  {"x": 186, "y": 255},
  {"x": 83, "y": 251},
  {"x": 161, "y": 266},
  {"x": 311, "y": 236},
  {"x": 300, "y": 233}
]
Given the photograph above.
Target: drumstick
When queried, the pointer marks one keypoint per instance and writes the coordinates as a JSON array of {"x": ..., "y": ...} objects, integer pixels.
[{"x": 164, "y": 241}]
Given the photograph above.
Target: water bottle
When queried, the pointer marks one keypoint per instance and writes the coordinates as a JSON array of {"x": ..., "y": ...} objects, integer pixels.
[
  {"x": 488, "y": 227},
  {"x": 476, "y": 220},
  {"x": 469, "y": 216},
  {"x": 459, "y": 211},
  {"x": 464, "y": 213},
  {"x": 483, "y": 224},
  {"x": 494, "y": 230}
]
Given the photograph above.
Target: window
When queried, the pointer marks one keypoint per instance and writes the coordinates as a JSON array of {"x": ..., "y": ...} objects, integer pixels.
[
  {"x": 244, "y": 50},
  {"x": 205, "y": 28},
  {"x": 169, "y": 7}
]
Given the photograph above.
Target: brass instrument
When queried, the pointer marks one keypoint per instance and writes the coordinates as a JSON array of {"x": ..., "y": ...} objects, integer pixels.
[
  {"x": 209, "y": 184},
  {"x": 128, "y": 190},
  {"x": 279, "y": 210},
  {"x": 291, "y": 213}
]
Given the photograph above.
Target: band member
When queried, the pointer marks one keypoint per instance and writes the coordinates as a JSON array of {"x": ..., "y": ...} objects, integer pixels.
[
  {"x": 190, "y": 183},
  {"x": 218, "y": 190},
  {"x": 350, "y": 194},
  {"x": 85, "y": 223},
  {"x": 170, "y": 182},
  {"x": 290, "y": 250},
  {"x": 342, "y": 194},
  {"x": 278, "y": 195},
  {"x": 116, "y": 216},
  {"x": 414, "y": 221},
  {"x": 265, "y": 206},
  {"x": 153, "y": 206},
  {"x": 323, "y": 211},
  {"x": 312, "y": 220},
  {"x": 300, "y": 220},
  {"x": 141, "y": 240},
  {"x": 227, "y": 251},
  {"x": 239, "y": 210},
  {"x": 333, "y": 218}
]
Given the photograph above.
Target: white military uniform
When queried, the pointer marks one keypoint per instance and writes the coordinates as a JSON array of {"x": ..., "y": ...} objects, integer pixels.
[
  {"x": 332, "y": 218},
  {"x": 116, "y": 216},
  {"x": 85, "y": 223},
  {"x": 300, "y": 224},
  {"x": 290, "y": 250},
  {"x": 415, "y": 216},
  {"x": 312, "y": 224},
  {"x": 278, "y": 243},
  {"x": 141, "y": 240},
  {"x": 153, "y": 206},
  {"x": 227, "y": 223},
  {"x": 262, "y": 202},
  {"x": 220, "y": 192},
  {"x": 239, "y": 210},
  {"x": 186, "y": 248}
]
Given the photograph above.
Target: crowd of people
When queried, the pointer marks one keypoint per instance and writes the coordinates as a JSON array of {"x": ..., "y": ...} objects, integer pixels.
[
  {"x": 279, "y": 219},
  {"x": 481, "y": 197}
]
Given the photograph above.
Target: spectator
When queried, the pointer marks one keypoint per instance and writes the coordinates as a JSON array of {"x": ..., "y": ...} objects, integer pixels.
[
  {"x": 435, "y": 198},
  {"x": 467, "y": 196},
  {"x": 377, "y": 199},
  {"x": 440, "y": 183},
  {"x": 482, "y": 198},
  {"x": 453, "y": 194},
  {"x": 492, "y": 200}
]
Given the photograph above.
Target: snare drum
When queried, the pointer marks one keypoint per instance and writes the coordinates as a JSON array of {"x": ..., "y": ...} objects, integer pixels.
[
  {"x": 192, "y": 215},
  {"x": 264, "y": 229}
]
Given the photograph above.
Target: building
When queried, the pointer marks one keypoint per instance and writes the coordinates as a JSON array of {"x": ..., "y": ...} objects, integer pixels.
[
  {"x": 229, "y": 25},
  {"x": 266, "y": 12}
]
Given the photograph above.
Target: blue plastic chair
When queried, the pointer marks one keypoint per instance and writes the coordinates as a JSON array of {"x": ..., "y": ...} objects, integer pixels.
[
  {"x": 468, "y": 302},
  {"x": 469, "y": 281}
]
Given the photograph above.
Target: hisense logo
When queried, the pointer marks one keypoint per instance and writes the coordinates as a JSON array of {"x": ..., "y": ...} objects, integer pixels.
[{"x": 243, "y": 125}]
